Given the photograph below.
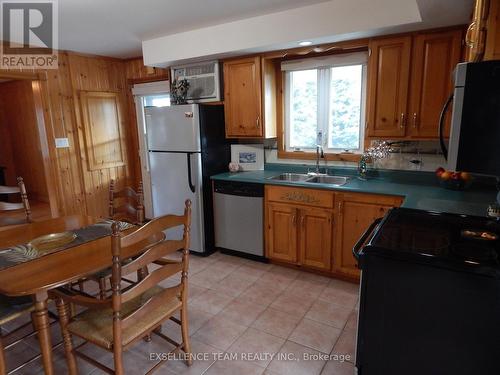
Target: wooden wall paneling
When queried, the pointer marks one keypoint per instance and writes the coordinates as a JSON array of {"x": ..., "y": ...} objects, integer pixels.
[
  {"x": 106, "y": 75},
  {"x": 136, "y": 70},
  {"x": 63, "y": 122},
  {"x": 78, "y": 190}
]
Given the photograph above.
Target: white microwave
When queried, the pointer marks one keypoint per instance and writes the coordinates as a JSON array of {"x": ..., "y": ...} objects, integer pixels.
[{"x": 475, "y": 123}]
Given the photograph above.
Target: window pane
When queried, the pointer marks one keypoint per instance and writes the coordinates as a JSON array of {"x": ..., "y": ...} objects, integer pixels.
[
  {"x": 157, "y": 101},
  {"x": 345, "y": 107},
  {"x": 303, "y": 109}
]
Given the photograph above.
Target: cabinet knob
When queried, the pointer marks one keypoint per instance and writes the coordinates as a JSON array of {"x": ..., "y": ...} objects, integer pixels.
[
  {"x": 257, "y": 122},
  {"x": 415, "y": 122}
]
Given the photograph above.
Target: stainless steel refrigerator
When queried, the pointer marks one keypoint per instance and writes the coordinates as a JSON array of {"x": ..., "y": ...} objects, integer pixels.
[{"x": 186, "y": 145}]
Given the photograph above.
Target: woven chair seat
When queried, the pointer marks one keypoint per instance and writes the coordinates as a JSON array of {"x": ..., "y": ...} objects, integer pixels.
[
  {"x": 97, "y": 325},
  {"x": 13, "y": 307}
]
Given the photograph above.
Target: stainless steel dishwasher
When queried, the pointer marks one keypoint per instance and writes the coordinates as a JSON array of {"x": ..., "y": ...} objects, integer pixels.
[{"x": 239, "y": 218}]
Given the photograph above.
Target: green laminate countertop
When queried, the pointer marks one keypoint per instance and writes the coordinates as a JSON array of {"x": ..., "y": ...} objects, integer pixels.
[{"x": 419, "y": 192}]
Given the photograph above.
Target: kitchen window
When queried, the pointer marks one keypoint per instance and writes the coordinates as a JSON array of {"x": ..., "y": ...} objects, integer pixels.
[{"x": 325, "y": 103}]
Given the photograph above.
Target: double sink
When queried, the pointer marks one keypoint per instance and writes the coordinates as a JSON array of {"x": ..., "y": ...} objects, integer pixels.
[{"x": 313, "y": 179}]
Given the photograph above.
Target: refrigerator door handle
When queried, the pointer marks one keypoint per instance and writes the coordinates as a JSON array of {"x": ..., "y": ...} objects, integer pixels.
[{"x": 190, "y": 181}]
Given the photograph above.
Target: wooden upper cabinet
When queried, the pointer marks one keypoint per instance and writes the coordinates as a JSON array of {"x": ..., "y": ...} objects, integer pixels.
[
  {"x": 243, "y": 98},
  {"x": 282, "y": 232},
  {"x": 316, "y": 238},
  {"x": 388, "y": 74},
  {"x": 492, "y": 48},
  {"x": 434, "y": 58}
]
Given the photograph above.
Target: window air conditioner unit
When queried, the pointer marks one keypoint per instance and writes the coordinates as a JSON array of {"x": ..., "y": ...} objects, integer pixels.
[{"x": 204, "y": 81}]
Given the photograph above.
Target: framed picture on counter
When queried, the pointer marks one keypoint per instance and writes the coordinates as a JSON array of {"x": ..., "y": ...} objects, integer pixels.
[{"x": 249, "y": 157}]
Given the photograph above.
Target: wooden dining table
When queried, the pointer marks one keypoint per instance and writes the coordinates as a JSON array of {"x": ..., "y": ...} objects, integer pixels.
[{"x": 38, "y": 276}]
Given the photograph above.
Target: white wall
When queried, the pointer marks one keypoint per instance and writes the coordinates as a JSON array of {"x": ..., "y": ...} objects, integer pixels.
[
  {"x": 426, "y": 152},
  {"x": 281, "y": 29}
]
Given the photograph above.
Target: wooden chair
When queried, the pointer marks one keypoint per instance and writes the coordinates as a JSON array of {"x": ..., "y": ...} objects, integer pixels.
[
  {"x": 23, "y": 205},
  {"x": 138, "y": 310},
  {"x": 12, "y": 309},
  {"x": 126, "y": 204}
]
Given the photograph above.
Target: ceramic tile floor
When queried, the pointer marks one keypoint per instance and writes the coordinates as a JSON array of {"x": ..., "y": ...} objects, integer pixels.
[{"x": 241, "y": 314}]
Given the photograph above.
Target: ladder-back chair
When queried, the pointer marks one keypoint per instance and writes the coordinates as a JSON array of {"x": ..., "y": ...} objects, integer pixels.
[
  {"x": 126, "y": 204},
  {"x": 13, "y": 207},
  {"x": 133, "y": 312}
]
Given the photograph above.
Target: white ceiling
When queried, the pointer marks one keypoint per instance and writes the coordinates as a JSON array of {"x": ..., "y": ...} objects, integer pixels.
[{"x": 117, "y": 27}]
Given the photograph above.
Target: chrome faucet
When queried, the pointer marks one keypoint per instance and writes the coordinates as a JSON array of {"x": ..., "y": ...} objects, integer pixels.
[{"x": 319, "y": 154}]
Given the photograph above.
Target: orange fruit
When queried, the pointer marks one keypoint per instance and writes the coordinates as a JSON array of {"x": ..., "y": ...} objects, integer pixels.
[
  {"x": 465, "y": 176},
  {"x": 445, "y": 175}
]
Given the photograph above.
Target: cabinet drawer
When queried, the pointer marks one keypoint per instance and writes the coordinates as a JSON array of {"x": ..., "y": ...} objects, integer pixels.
[{"x": 309, "y": 197}]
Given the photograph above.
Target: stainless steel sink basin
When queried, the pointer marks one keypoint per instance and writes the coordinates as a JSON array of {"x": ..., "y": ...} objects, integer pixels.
[
  {"x": 331, "y": 180},
  {"x": 297, "y": 177},
  {"x": 292, "y": 177}
]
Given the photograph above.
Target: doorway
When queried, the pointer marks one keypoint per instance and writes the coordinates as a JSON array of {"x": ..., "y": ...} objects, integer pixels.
[
  {"x": 150, "y": 94},
  {"x": 23, "y": 145}
]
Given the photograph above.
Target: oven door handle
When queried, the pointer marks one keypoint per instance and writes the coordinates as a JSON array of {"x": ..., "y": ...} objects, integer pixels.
[{"x": 357, "y": 247}]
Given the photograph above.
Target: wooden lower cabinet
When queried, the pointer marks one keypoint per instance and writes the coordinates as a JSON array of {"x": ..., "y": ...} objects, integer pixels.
[
  {"x": 317, "y": 229},
  {"x": 281, "y": 232},
  {"x": 355, "y": 213},
  {"x": 315, "y": 237}
]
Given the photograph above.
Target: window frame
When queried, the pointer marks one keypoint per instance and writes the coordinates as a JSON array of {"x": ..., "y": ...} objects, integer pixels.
[{"x": 323, "y": 85}]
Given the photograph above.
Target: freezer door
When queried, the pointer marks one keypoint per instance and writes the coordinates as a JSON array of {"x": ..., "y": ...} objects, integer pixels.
[
  {"x": 171, "y": 186},
  {"x": 174, "y": 128}
]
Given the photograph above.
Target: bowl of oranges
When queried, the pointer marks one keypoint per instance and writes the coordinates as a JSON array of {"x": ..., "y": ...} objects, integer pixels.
[{"x": 453, "y": 180}]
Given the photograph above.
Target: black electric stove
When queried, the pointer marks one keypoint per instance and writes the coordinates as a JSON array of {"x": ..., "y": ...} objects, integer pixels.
[{"x": 430, "y": 295}]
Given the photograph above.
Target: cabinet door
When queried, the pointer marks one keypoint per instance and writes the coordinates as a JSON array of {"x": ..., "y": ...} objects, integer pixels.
[
  {"x": 434, "y": 58},
  {"x": 315, "y": 237},
  {"x": 389, "y": 69},
  {"x": 355, "y": 213},
  {"x": 242, "y": 101},
  {"x": 282, "y": 232},
  {"x": 492, "y": 51}
]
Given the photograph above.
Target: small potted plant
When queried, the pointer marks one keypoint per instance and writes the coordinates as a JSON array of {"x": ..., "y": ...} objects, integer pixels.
[{"x": 179, "y": 91}]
